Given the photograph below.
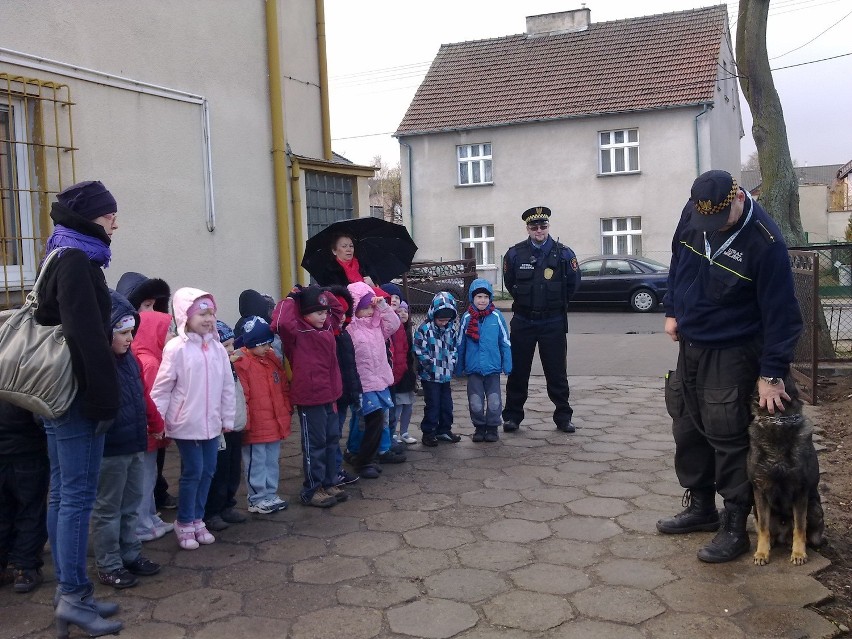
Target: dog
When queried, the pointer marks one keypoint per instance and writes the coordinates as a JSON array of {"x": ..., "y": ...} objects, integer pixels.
[{"x": 784, "y": 472}]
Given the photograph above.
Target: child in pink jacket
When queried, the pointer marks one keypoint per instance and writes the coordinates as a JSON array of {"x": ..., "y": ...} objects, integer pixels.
[
  {"x": 373, "y": 322},
  {"x": 194, "y": 392}
]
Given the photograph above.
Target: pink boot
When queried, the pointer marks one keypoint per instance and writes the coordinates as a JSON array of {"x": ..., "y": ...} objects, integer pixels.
[
  {"x": 185, "y": 534},
  {"x": 202, "y": 535}
]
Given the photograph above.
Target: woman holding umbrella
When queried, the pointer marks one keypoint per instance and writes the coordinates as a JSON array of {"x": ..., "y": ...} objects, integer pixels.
[{"x": 345, "y": 268}]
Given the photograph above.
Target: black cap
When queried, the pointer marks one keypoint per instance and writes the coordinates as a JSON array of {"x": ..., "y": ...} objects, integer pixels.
[
  {"x": 314, "y": 299},
  {"x": 711, "y": 196},
  {"x": 536, "y": 214}
]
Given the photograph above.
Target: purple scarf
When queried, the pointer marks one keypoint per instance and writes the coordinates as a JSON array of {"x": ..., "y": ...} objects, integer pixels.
[{"x": 95, "y": 248}]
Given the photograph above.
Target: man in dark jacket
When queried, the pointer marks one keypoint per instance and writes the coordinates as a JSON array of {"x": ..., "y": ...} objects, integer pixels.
[{"x": 731, "y": 307}]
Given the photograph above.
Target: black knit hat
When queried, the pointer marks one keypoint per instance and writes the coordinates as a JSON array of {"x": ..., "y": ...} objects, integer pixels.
[
  {"x": 89, "y": 199},
  {"x": 313, "y": 299},
  {"x": 711, "y": 196}
]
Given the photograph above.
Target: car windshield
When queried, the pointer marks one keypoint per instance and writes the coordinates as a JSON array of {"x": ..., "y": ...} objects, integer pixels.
[{"x": 652, "y": 264}]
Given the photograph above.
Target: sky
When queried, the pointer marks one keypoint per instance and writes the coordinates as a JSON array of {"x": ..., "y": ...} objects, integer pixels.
[{"x": 379, "y": 52}]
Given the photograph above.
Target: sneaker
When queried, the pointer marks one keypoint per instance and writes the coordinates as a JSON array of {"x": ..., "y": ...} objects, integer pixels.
[
  {"x": 168, "y": 502},
  {"x": 185, "y": 534},
  {"x": 492, "y": 436},
  {"x": 280, "y": 504},
  {"x": 119, "y": 578},
  {"x": 216, "y": 523},
  {"x": 264, "y": 507},
  {"x": 26, "y": 579},
  {"x": 202, "y": 535},
  {"x": 320, "y": 499},
  {"x": 162, "y": 527},
  {"x": 338, "y": 493},
  {"x": 233, "y": 516},
  {"x": 509, "y": 426},
  {"x": 448, "y": 437},
  {"x": 478, "y": 436},
  {"x": 148, "y": 534},
  {"x": 369, "y": 472},
  {"x": 408, "y": 439},
  {"x": 391, "y": 457},
  {"x": 429, "y": 439},
  {"x": 143, "y": 567},
  {"x": 398, "y": 447},
  {"x": 344, "y": 478}
]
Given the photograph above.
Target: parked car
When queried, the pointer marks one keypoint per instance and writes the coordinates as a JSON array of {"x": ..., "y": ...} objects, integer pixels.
[{"x": 622, "y": 279}]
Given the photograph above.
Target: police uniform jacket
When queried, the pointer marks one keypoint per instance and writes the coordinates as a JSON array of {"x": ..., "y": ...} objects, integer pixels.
[
  {"x": 744, "y": 293},
  {"x": 540, "y": 280}
]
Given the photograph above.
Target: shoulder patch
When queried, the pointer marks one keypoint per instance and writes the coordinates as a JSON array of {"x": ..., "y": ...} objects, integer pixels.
[
  {"x": 574, "y": 265},
  {"x": 765, "y": 232}
]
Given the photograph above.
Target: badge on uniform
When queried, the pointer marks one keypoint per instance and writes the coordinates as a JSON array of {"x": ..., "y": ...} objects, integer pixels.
[
  {"x": 574, "y": 265},
  {"x": 548, "y": 273}
]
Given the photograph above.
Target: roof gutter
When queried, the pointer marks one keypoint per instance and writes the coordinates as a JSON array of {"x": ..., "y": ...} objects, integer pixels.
[
  {"x": 410, "y": 186},
  {"x": 322, "y": 61},
  {"x": 707, "y": 107}
]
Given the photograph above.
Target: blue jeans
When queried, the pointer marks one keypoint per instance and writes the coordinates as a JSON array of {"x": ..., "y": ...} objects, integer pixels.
[
  {"x": 484, "y": 401},
  {"x": 262, "y": 471},
  {"x": 75, "y": 460},
  {"x": 197, "y": 465},
  {"x": 437, "y": 409}
]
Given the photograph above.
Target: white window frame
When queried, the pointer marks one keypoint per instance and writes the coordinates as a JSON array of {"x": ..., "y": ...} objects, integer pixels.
[
  {"x": 627, "y": 151},
  {"x": 21, "y": 166},
  {"x": 486, "y": 239},
  {"x": 632, "y": 234},
  {"x": 472, "y": 158}
]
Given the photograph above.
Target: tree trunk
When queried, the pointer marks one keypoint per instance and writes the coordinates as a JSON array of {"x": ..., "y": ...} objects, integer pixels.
[{"x": 779, "y": 191}]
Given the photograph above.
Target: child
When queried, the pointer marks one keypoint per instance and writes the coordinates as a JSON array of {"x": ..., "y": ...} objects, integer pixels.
[
  {"x": 118, "y": 552},
  {"x": 403, "y": 389},
  {"x": 484, "y": 351},
  {"x": 194, "y": 392},
  {"x": 374, "y": 322},
  {"x": 147, "y": 347},
  {"x": 268, "y": 412},
  {"x": 306, "y": 320},
  {"x": 219, "y": 511},
  {"x": 435, "y": 348}
]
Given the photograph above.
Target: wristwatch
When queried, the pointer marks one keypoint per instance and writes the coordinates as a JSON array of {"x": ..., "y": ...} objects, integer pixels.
[{"x": 772, "y": 381}]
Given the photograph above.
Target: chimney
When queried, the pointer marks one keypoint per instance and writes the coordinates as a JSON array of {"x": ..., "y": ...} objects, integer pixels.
[{"x": 562, "y": 22}]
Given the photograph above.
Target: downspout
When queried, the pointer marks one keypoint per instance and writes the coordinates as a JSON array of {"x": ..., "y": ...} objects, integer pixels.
[
  {"x": 697, "y": 144},
  {"x": 410, "y": 187},
  {"x": 279, "y": 150},
  {"x": 296, "y": 196},
  {"x": 322, "y": 61}
]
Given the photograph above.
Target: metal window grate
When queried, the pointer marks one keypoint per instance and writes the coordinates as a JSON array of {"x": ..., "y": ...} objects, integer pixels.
[{"x": 36, "y": 162}]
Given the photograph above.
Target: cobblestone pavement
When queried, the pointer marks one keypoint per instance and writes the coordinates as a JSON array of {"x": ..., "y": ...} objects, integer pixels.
[{"x": 541, "y": 535}]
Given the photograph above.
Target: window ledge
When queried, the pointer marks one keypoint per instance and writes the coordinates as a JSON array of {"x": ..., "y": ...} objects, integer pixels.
[
  {"x": 620, "y": 173},
  {"x": 486, "y": 267},
  {"x": 470, "y": 186}
]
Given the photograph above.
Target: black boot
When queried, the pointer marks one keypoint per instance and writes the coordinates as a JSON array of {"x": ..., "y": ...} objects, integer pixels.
[
  {"x": 105, "y": 608},
  {"x": 700, "y": 514},
  {"x": 74, "y": 609},
  {"x": 731, "y": 541}
]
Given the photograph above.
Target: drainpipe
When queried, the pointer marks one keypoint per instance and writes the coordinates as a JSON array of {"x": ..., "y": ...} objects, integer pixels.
[
  {"x": 296, "y": 198},
  {"x": 697, "y": 144},
  {"x": 323, "y": 80},
  {"x": 279, "y": 151},
  {"x": 410, "y": 187}
]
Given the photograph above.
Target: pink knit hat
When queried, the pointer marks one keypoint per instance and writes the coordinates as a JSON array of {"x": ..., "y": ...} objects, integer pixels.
[{"x": 201, "y": 304}]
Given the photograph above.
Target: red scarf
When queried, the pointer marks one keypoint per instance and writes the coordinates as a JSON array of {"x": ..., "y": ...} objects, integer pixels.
[
  {"x": 352, "y": 270},
  {"x": 476, "y": 316}
]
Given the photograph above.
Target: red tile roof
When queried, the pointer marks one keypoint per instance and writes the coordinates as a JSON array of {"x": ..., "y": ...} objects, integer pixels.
[{"x": 641, "y": 63}]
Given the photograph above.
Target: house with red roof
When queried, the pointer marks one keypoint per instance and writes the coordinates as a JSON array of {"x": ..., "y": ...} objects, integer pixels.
[{"x": 606, "y": 123}]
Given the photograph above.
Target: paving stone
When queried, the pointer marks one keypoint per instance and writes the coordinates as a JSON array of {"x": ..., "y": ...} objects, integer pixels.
[
  {"x": 25, "y": 618},
  {"x": 556, "y": 477},
  {"x": 550, "y": 578},
  {"x": 406, "y": 562},
  {"x": 325, "y": 526},
  {"x": 379, "y": 489},
  {"x": 337, "y": 623},
  {"x": 791, "y": 590},
  {"x": 164, "y": 584},
  {"x": 641, "y": 521},
  {"x": 360, "y": 508},
  {"x": 234, "y": 627},
  {"x": 587, "y": 629},
  {"x": 248, "y": 576},
  {"x": 686, "y": 595},
  {"x": 584, "y": 467},
  {"x": 486, "y": 631},
  {"x": 425, "y": 502},
  {"x": 377, "y": 592},
  {"x": 494, "y": 555},
  {"x": 671, "y": 488},
  {"x": 793, "y": 623},
  {"x": 527, "y": 610},
  {"x": 553, "y": 495},
  {"x": 592, "y": 529},
  {"x": 330, "y": 569},
  {"x": 397, "y": 521},
  {"x": 495, "y": 463},
  {"x": 512, "y": 483},
  {"x": 596, "y": 456},
  {"x": 655, "y": 547},
  {"x": 465, "y": 584},
  {"x": 480, "y": 474},
  {"x": 288, "y": 601},
  {"x": 144, "y": 629},
  {"x": 367, "y": 543},
  {"x": 599, "y": 507},
  {"x": 439, "y": 537},
  {"x": 432, "y": 618},
  {"x": 616, "y": 489},
  {"x": 566, "y": 552},
  {"x": 618, "y": 603},
  {"x": 605, "y": 447},
  {"x": 198, "y": 606},
  {"x": 533, "y": 511},
  {"x": 213, "y": 556},
  {"x": 490, "y": 498},
  {"x": 644, "y": 453},
  {"x": 633, "y": 572},
  {"x": 653, "y": 501},
  {"x": 455, "y": 487},
  {"x": 517, "y": 530},
  {"x": 255, "y": 531},
  {"x": 291, "y": 549},
  {"x": 674, "y": 624},
  {"x": 467, "y": 517}
]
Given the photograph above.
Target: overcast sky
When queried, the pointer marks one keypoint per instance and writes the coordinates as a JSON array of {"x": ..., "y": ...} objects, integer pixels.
[{"x": 379, "y": 52}]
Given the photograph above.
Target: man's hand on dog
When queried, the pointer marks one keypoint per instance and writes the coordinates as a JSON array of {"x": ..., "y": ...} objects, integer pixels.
[{"x": 771, "y": 395}]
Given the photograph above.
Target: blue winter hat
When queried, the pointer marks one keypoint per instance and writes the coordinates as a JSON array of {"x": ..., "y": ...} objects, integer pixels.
[
  {"x": 392, "y": 289},
  {"x": 256, "y": 332},
  {"x": 225, "y": 331},
  {"x": 89, "y": 199}
]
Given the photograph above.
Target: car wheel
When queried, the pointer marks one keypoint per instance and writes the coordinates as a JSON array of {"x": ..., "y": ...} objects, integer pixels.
[{"x": 643, "y": 300}]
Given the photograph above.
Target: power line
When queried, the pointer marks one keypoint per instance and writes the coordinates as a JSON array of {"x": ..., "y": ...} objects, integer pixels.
[
  {"x": 814, "y": 38},
  {"x": 801, "y": 64}
]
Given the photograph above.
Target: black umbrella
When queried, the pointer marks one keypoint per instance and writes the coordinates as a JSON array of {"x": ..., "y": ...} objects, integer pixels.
[{"x": 384, "y": 250}]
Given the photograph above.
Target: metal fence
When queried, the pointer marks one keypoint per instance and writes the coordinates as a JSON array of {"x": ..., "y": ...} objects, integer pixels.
[{"x": 424, "y": 279}]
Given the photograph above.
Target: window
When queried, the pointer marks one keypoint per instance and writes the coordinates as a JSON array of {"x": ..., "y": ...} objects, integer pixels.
[
  {"x": 619, "y": 151},
  {"x": 474, "y": 163},
  {"x": 481, "y": 239},
  {"x": 621, "y": 236},
  {"x": 328, "y": 198}
]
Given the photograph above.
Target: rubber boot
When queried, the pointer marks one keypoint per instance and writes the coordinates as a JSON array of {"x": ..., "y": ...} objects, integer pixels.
[
  {"x": 105, "y": 608},
  {"x": 74, "y": 609},
  {"x": 700, "y": 514},
  {"x": 732, "y": 539}
]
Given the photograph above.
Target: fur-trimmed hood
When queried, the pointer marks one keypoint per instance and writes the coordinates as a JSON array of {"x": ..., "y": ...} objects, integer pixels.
[{"x": 137, "y": 288}]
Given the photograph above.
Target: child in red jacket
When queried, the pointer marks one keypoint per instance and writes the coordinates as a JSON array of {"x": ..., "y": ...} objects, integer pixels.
[{"x": 268, "y": 414}]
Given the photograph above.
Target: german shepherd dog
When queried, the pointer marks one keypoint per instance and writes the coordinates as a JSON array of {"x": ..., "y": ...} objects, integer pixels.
[{"x": 784, "y": 473}]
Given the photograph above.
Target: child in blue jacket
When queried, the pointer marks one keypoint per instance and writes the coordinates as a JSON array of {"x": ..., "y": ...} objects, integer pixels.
[{"x": 484, "y": 351}]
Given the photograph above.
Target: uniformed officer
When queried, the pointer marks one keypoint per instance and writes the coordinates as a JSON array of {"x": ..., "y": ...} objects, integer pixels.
[
  {"x": 541, "y": 274},
  {"x": 732, "y": 309}
]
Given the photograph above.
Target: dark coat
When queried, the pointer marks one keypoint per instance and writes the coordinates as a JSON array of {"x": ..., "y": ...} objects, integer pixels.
[
  {"x": 75, "y": 294},
  {"x": 21, "y": 434}
]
